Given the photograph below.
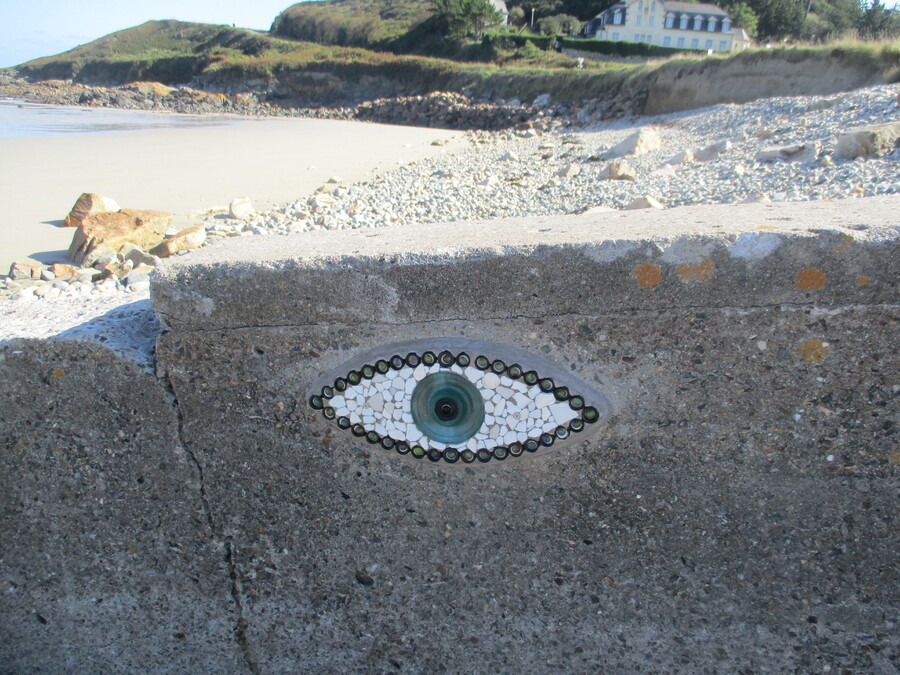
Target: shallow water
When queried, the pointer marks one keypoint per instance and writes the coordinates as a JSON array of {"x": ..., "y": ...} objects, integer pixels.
[{"x": 32, "y": 120}]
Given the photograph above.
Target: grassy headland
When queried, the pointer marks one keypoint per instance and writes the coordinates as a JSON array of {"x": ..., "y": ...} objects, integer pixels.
[{"x": 296, "y": 72}]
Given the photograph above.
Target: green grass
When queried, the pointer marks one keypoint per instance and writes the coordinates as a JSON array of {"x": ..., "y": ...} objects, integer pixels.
[{"x": 222, "y": 58}]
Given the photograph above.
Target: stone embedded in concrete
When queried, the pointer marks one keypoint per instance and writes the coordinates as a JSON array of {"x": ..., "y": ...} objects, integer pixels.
[
  {"x": 536, "y": 267},
  {"x": 108, "y": 560}
]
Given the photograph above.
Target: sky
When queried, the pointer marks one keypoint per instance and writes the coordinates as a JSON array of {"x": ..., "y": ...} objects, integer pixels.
[{"x": 33, "y": 28}]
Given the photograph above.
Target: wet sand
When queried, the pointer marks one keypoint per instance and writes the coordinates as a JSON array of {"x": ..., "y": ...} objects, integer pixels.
[{"x": 185, "y": 171}]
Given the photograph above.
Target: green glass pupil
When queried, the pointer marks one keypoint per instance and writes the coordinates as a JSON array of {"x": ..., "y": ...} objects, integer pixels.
[{"x": 447, "y": 407}]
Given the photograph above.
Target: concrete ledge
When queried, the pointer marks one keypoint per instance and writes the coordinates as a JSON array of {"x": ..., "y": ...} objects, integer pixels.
[{"x": 835, "y": 253}]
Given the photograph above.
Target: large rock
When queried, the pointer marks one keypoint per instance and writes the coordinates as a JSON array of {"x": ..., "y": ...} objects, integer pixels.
[
  {"x": 88, "y": 204},
  {"x": 241, "y": 208},
  {"x": 103, "y": 233},
  {"x": 803, "y": 152},
  {"x": 192, "y": 237},
  {"x": 642, "y": 141},
  {"x": 712, "y": 152},
  {"x": 645, "y": 202},
  {"x": 868, "y": 141},
  {"x": 25, "y": 270},
  {"x": 621, "y": 170}
]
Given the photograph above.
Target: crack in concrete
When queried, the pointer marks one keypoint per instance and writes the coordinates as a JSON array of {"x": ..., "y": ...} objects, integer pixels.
[
  {"x": 566, "y": 315},
  {"x": 240, "y": 628}
]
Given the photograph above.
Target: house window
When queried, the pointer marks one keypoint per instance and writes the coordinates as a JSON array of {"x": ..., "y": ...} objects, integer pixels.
[
  {"x": 709, "y": 44},
  {"x": 638, "y": 20},
  {"x": 650, "y": 22},
  {"x": 641, "y": 6},
  {"x": 711, "y": 25},
  {"x": 682, "y": 24},
  {"x": 695, "y": 43},
  {"x": 681, "y": 42},
  {"x": 698, "y": 23},
  {"x": 670, "y": 21},
  {"x": 667, "y": 41},
  {"x": 726, "y": 25},
  {"x": 615, "y": 36},
  {"x": 617, "y": 18},
  {"x": 723, "y": 45}
]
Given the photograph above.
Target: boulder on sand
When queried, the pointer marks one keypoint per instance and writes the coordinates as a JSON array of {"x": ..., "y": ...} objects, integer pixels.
[
  {"x": 89, "y": 203},
  {"x": 103, "y": 233}
]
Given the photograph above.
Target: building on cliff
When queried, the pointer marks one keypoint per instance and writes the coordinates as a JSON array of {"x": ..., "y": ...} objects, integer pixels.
[{"x": 687, "y": 25}]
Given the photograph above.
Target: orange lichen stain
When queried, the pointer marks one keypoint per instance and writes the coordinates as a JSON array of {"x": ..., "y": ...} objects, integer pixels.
[
  {"x": 895, "y": 457},
  {"x": 647, "y": 275},
  {"x": 863, "y": 280},
  {"x": 701, "y": 271},
  {"x": 813, "y": 350},
  {"x": 59, "y": 372},
  {"x": 810, "y": 279},
  {"x": 846, "y": 242},
  {"x": 768, "y": 227}
]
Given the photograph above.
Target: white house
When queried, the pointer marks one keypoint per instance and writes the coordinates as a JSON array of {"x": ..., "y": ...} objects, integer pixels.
[{"x": 686, "y": 25}]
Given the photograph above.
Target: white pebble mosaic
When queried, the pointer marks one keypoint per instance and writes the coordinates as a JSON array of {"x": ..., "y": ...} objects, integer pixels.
[
  {"x": 514, "y": 411},
  {"x": 522, "y": 411}
]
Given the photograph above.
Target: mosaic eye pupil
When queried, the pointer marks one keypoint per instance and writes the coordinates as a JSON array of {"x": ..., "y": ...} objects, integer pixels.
[
  {"x": 353, "y": 377},
  {"x": 387, "y": 442},
  {"x": 315, "y": 402},
  {"x": 344, "y": 422},
  {"x": 447, "y": 407},
  {"x": 467, "y": 456},
  {"x": 546, "y": 385},
  {"x": 396, "y": 362},
  {"x": 484, "y": 455},
  {"x": 451, "y": 455},
  {"x": 561, "y": 393},
  {"x": 482, "y": 363},
  {"x": 576, "y": 403},
  {"x": 515, "y": 449},
  {"x": 329, "y": 413},
  {"x": 531, "y": 445},
  {"x": 514, "y": 371},
  {"x": 590, "y": 415},
  {"x": 413, "y": 360},
  {"x": 402, "y": 447},
  {"x": 429, "y": 359},
  {"x": 327, "y": 392},
  {"x": 500, "y": 453},
  {"x": 463, "y": 359},
  {"x": 498, "y": 366},
  {"x": 446, "y": 359},
  {"x": 340, "y": 384},
  {"x": 435, "y": 455},
  {"x": 576, "y": 425},
  {"x": 530, "y": 377},
  {"x": 368, "y": 372},
  {"x": 418, "y": 452},
  {"x": 382, "y": 366}
]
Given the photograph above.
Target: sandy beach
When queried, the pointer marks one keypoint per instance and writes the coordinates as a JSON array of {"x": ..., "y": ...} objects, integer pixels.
[{"x": 186, "y": 170}]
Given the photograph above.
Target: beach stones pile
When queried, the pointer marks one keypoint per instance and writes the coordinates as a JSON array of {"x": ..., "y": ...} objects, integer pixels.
[
  {"x": 444, "y": 110},
  {"x": 113, "y": 249}
]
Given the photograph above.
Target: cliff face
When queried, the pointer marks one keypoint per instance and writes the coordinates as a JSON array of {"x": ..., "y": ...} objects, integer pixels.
[{"x": 739, "y": 80}]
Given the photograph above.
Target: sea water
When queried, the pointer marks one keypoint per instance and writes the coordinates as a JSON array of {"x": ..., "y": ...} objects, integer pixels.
[{"x": 31, "y": 120}]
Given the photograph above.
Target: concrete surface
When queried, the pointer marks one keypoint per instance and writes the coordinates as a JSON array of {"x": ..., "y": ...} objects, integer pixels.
[
  {"x": 704, "y": 256},
  {"x": 736, "y": 513}
]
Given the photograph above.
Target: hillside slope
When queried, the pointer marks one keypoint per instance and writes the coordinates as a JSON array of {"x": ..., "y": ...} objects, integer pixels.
[{"x": 230, "y": 60}]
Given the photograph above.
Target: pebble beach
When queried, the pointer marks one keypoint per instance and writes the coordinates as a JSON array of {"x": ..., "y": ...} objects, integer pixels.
[{"x": 781, "y": 149}]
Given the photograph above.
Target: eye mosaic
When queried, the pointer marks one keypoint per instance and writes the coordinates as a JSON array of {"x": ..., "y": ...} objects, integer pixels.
[{"x": 454, "y": 407}]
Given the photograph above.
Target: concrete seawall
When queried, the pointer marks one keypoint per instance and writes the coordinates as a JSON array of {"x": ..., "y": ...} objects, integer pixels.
[{"x": 732, "y": 506}]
